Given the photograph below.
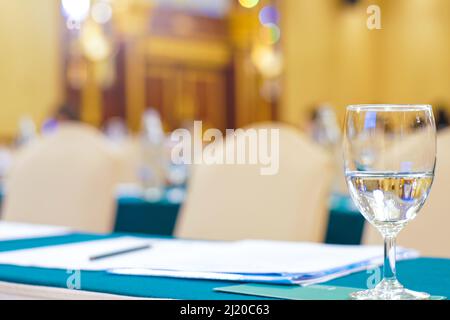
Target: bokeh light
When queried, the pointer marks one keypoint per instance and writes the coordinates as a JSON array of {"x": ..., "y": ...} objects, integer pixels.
[
  {"x": 267, "y": 60},
  {"x": 101, "y": 12},
  {"x": 269, "y": 14},
  {"x": 76, "y": 10},
  {"x": 94, "y": 43},
  {"x": 270, "y": 34},
  {"x": 248, "y": 3}
]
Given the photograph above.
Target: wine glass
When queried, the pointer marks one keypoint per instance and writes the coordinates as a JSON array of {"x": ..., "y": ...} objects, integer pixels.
[{"x": 390, "y": 156}]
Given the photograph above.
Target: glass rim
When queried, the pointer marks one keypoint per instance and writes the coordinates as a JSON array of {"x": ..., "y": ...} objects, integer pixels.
[{"x": 389, "y": 107}]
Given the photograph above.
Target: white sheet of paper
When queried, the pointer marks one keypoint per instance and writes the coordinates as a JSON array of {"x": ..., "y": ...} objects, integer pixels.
[
  {"x": 250, "y": 256},
  {"x": 15, "y": 231}
]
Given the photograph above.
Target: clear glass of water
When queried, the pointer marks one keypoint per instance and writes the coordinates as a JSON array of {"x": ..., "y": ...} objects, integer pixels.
[{"x": 390, "y": 156}]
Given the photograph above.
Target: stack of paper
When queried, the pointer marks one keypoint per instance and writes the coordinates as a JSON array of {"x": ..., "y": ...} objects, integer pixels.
[
  {"x": 249, "y": 260},
  {"x": 262, "y": 261}
]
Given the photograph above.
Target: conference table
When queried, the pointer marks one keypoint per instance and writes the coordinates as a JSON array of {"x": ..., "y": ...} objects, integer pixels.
[
  {"x": 137, "y": 214},
  {"x": 424, "y": 274},
  {"x": 157, "y": 218}
]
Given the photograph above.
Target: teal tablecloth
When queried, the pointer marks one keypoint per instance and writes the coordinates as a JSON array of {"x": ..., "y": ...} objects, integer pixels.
[
  {"x": 345, "y": 222},
  {"x": 137, "y": 215},
  {"x": 424, "y": 274}
]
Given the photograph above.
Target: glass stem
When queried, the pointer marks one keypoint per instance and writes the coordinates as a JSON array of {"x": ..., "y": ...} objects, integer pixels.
[{"x": 389, "y": 272}]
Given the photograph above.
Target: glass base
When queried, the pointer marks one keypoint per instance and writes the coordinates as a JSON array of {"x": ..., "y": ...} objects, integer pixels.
[{"x": 389, "y": 290}]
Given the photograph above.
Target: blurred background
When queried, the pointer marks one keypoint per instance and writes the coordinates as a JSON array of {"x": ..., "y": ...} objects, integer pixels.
[{"x": 135, "y": 70}]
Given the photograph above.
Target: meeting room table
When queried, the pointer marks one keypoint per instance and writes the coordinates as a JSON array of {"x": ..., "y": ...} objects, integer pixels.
[
  {"x": 423, "y": 274},
  {"x": 156, "y": 219}
]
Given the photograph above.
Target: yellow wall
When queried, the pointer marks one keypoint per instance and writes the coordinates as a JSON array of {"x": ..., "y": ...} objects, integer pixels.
[
  {"x": 415, "y": 56},
  {"x": 307, "y": 45},
  {"x": 331, "y": 56},
  {"x": 29, "y": 61}
]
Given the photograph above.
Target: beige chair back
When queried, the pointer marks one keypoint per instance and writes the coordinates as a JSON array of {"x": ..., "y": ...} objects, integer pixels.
[
  {"x": 65, "y": 179},
  {"x": 234, "y": 201},
  {"x": 429, "y": 232},
  {"x": 129, "y": 158}
]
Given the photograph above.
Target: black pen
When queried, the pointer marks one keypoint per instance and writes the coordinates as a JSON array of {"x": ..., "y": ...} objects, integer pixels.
[{"x": 116, "y": 253}]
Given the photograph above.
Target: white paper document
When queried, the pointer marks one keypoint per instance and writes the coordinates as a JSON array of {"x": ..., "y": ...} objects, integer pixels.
[
  {"x": 16, "y": 231},
  {"x": 249, "y": 260}
]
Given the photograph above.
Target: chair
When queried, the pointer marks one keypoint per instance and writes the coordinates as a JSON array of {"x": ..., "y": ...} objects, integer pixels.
[
  {"x": 429, "y": 232},
  {"x": 128, "y": 155},
  {"x": 234, "y": 201},
  {"x": 66, "y": 179}
]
